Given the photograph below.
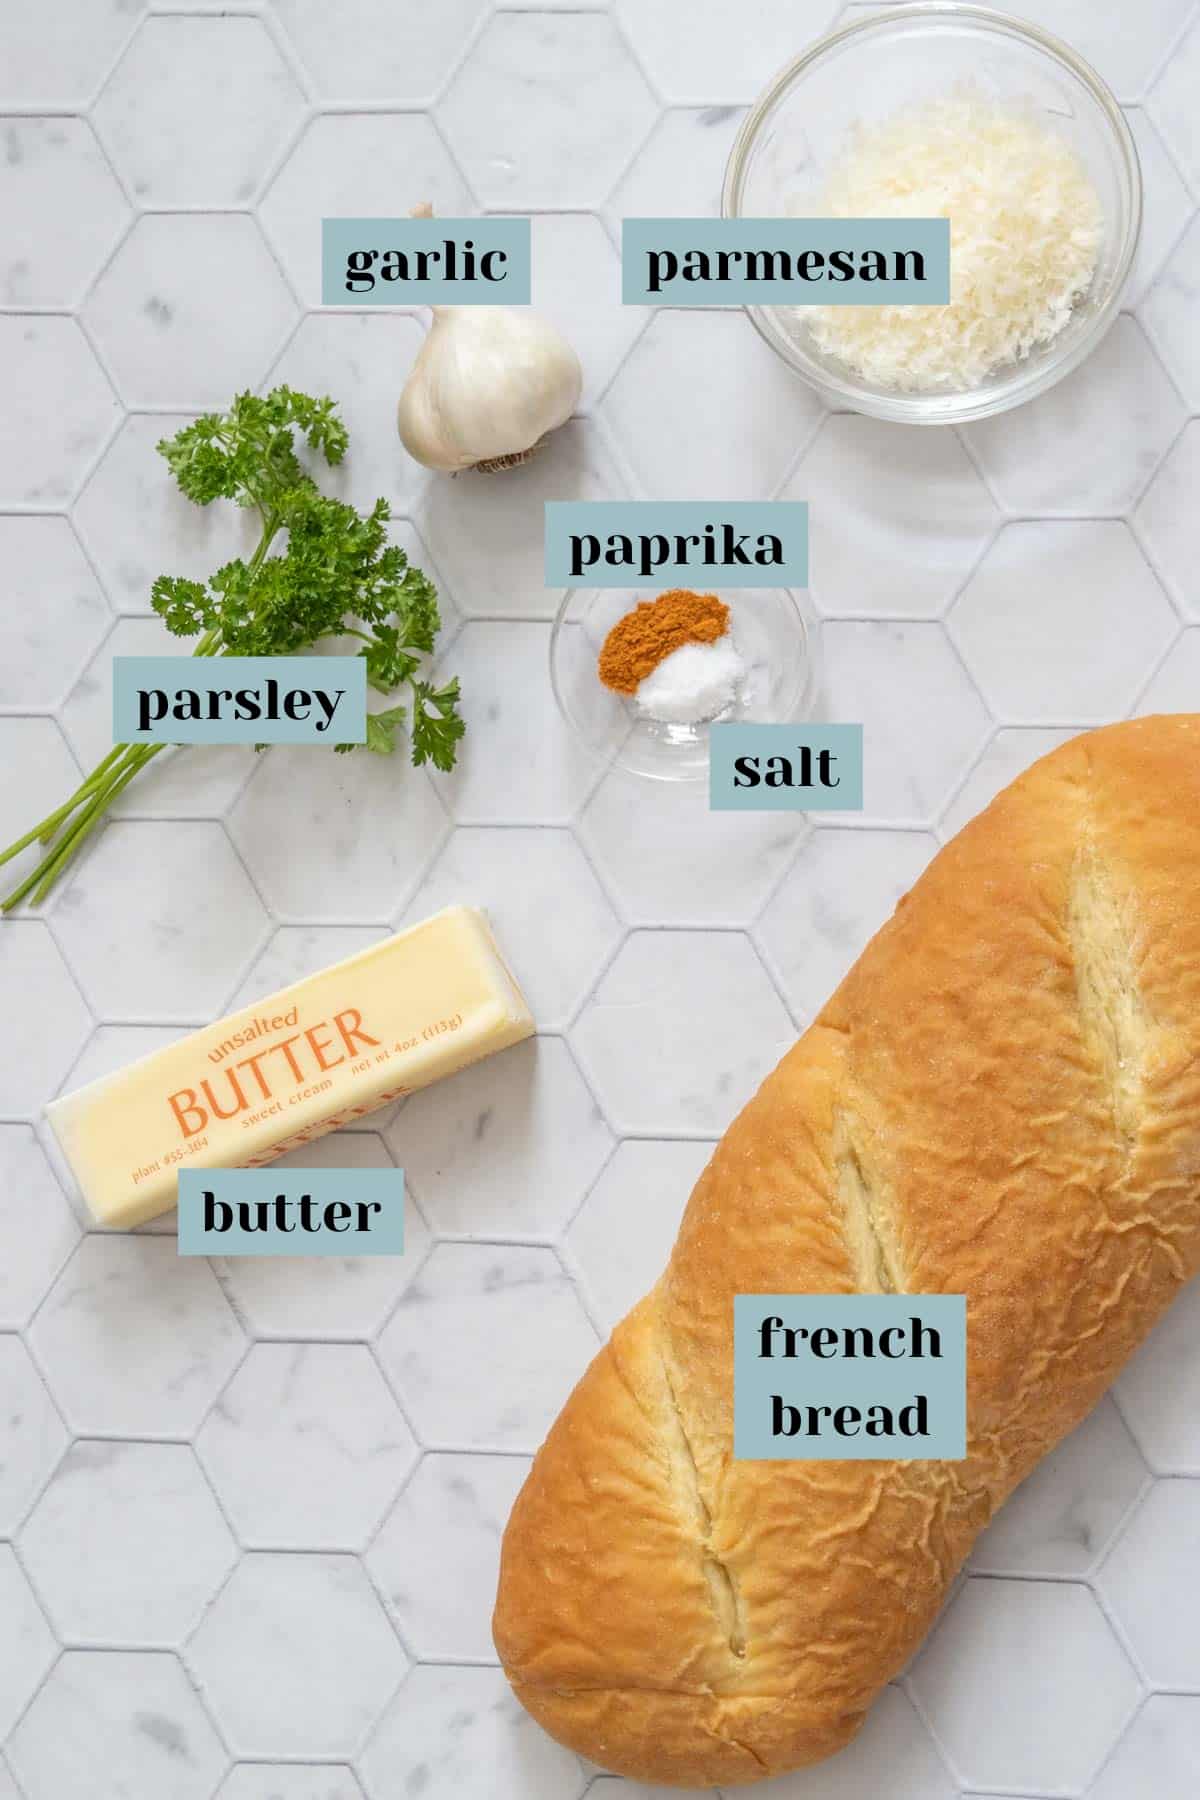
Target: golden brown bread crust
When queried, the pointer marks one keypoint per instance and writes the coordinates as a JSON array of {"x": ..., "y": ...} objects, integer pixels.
[{"x": 1002, "y": 1099}]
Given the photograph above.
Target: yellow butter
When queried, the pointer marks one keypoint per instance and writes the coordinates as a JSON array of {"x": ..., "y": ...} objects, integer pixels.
[{"x": 287, "y": 1069}]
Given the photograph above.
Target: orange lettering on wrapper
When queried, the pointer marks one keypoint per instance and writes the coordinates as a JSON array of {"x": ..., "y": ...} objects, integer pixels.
[
  {"x": 353, "y": 1032},
  {"x": 193, "y": 1110},
  {"x": 239, "y": 1099},
  {"x": 319, "y": 1048},
  {"x": 190, "y": 1105}
]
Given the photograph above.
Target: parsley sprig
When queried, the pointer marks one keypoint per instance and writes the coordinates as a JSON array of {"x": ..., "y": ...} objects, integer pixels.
[{"x": 334, "y": 575}]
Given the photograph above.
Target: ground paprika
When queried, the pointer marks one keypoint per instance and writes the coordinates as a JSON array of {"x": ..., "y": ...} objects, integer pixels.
[{"x": 638, "y": 642}]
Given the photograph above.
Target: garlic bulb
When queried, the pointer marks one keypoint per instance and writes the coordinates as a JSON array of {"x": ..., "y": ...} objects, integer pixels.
[{"x": 487, "y": 386}]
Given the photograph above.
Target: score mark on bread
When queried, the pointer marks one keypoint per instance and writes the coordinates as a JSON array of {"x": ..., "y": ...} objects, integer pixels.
[{"x": 1002, "y": 1099}]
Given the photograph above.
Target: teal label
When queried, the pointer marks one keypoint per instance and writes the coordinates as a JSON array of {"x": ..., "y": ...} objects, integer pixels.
[
  {"x": 785, "y": 768},
  {"x": 849, "y": 1377},
  {"x": 733, "y": 543},
  {"x": 800, "y": 262},
  {"x": 291, "y": 1212},
  {"x": 239, "y": 700},
  {"x": 425, "y": 262}
]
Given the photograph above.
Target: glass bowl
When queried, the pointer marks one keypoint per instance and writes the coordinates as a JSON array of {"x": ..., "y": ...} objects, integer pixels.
[
  {"x": 910, "y": 54},
  {"x": 774, "y": 629}
]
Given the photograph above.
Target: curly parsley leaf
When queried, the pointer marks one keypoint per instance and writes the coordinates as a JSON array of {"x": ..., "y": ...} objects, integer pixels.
[
  {"x": 337, "y": 572},
  {"x": 381, "y": 729},
  {"x": 321, "y": 570},
  {"x": 436, "y": 726}
]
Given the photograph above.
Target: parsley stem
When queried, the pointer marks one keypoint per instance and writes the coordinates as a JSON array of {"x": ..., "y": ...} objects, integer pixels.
[
  {"x": 46, "y": 829},
  {"x": 49, "y": 825},
  {"x": 338, "y": 567},
  {"x": 70, "y": 846},
  {"x": 52, "y": 865},
  {"x": 94, "y": 794}
]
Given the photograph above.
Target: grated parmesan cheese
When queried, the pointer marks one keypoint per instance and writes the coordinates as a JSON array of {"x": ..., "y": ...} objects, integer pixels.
[{"x": 1025, "y": 232}]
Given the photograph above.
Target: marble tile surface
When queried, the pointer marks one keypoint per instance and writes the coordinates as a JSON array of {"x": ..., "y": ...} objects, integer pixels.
[
  {"x": 555, "y": 953},
  {"x": 546, "y": 109},
  {"x": 999, "y": 1710},
  {"x": 250, "y": 1512},
  {"x": 670, "y": 861},
  {"x": 892, "y": 1755},
  {"x": 126, "y": 1545},
  {"x": 136, "y": 1339},
  {"x": 1159, "y": 1754},
  {"x": 56, "y": 614},
  {"x": 290, "y": 1781},
  {"x": 680, "y": 1031},
  {"x": 617, "y": 1266},
  {"x": 487, "y": 537},
  {"x": 493, "y": 1307},
  {"x": 197, "y": 109},
  {"x": 160, "y": 317},
  {"x": 37, "y": 1226},
  {"x": 63, "y": 410},
  {"x": 461, "y": 1730},
  {"x": 1082, "y": 660},
  {"x": 451, "y": 1515},
  {"x": 505, "y": 1152},
  {"x": 1062, "y": 1518},
  {"x": 306, "y": 1447},
  {"x": 61, "y": 207},
  {"x": 295, "y": 1657},
  {"x": 32, "y": 1434},
  {"x": 129, "y": 949},
  {"x": 671, "y": 401},
  {"x": 930, "y": 518},
  {"x": 1090, "y": 444},
  {"x": 1156, "y": 1558},
  {"x": 127, "y": 1720}
]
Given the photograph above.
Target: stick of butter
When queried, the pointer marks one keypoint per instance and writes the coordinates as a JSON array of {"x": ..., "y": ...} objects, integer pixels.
[{"x": 286, "y": 1070}]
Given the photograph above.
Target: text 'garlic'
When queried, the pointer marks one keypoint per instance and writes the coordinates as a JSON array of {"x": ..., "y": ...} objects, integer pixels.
[{"x": 487, "y": 386}]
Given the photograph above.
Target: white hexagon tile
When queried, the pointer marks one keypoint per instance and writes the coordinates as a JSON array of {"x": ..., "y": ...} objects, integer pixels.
[
  {"x": 1009, "y": 1709},
  {"x": 197, "y": 109},
  {"x": 451, "y": 1515},
  {"x": 56, "y": 614},
  {"x": 506, "y": 1152},
  {"x": 495, "y": 1307},
  {"x": 930, "y": 517},
  {"x": 295, "y": 1656},
  {"x": 32, "y": 1435},
  {"x": 251, "y": 1509},
  {"x": 63, "y": 410},
  {"x": 306, "y": 1447},
  {"x": 547, "y": 109},
  {"x": 82, "y": 1723},
  {"x": 461, "y": 1731},
  {"x": 670, "y": 404},
  {"x": 62, "y": 209},
  {"x": 127, "y": 1545}
]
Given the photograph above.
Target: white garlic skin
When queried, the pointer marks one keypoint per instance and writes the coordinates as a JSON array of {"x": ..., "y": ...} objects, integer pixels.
[{"x": 489, "y": 382}]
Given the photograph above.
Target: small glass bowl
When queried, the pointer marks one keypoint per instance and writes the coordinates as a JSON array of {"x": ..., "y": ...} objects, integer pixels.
[
  {"x": 774, "y": 629},
  {"x": 889, "y": 60}
]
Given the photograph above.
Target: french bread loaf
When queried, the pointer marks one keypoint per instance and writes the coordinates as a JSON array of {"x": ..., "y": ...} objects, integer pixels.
[{"x": 1002, "y": 1099}]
